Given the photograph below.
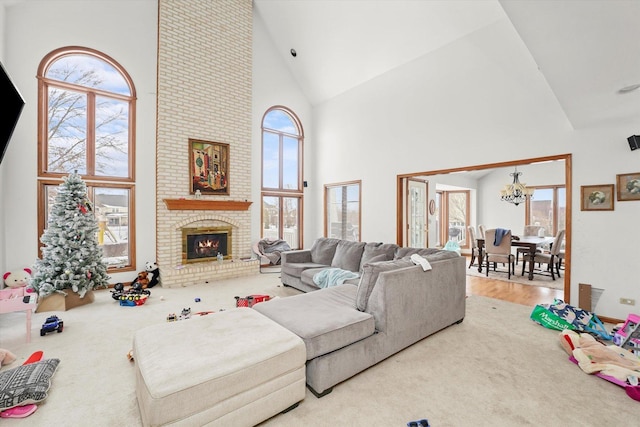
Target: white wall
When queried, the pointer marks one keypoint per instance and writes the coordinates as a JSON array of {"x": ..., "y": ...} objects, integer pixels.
[
  {"x": 479, "y": 100},
  {"x": 124, "y": 30}
]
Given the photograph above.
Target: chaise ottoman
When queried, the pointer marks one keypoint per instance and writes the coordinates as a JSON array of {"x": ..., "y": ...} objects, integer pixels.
[{"x": 232, "y": 368}]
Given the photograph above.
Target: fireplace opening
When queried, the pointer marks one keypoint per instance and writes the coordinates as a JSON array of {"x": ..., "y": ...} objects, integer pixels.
[{"x": 204, "y": 244}]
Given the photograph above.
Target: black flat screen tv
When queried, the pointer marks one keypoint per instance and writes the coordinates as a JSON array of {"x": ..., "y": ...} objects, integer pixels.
[{"x": 12, "y": 104}]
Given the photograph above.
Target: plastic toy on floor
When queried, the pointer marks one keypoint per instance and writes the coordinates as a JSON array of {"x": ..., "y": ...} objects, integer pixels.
[
  {"x": 627, "y": 336},
  {"x": 251, "y": 300},
  {"x": 186, "y": 314},
  {"x": 608, "y": 362},
  {"x": 134, "y": 296},
  {"x": 53, "y": 323}
]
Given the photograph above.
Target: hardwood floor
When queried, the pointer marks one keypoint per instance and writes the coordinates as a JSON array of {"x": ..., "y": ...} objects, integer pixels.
[{"x": 512, "y": 292}]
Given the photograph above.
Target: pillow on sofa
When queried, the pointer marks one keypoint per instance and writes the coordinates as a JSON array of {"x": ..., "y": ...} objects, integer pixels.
[
  {"x": 323, "y": 249},
  {"x": 26, "y": 383},
  {"x": 370, "y": 273},
  {"x": 348, "y": 255},
  {"x": 374, "y": 249}
]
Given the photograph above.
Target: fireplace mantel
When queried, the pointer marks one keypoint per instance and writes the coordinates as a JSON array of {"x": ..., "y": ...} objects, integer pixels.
[{"x": 206, "y": 205}]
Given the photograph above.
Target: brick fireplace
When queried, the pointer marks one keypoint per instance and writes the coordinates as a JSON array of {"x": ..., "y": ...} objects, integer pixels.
[{"x": 204, "y": 92}]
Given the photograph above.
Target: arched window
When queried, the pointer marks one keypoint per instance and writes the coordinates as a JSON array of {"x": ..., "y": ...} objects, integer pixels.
[
  {"x": 86, "y": 124},
  {"x": 282, "y": 186}
]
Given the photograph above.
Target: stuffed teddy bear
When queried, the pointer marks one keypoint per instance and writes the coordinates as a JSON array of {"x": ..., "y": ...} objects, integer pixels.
[
  {"x": 17, "y": 279},
  {"x": 6, "y": 357},
  {"x": 142, "y": 281},
  {"x": 154, "y": 270}
]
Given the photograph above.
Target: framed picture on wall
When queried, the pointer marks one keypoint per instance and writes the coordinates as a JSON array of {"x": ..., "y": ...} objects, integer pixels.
[
  {"x": 596, "y": 197},
  {"x": 628, "y": 186},
  {"x": 209, "y": 167}
]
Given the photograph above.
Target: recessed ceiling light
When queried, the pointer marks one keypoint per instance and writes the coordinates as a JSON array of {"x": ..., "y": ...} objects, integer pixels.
[
  {"x": 630, "y": 88},
  {"x": 293, "y": 53}
]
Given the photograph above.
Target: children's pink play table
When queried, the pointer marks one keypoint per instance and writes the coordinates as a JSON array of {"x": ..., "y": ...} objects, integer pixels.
[{"x": 13, "y": 299}]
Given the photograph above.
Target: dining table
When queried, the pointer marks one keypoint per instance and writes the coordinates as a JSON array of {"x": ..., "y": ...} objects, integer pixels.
[{"x": 530, "y": 242}]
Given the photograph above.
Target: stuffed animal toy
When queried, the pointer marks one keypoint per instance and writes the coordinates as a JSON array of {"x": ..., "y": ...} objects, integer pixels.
[
  {"x": 17, "y": 279},
  {"x": 6, "y": 357},
  {"x": 154, "y": 270},
  {"x": 142, "y": 281}
]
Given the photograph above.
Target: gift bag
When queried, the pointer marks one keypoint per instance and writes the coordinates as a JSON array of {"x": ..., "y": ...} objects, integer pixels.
[
  {"x": 560, "y": 315},
  {"x": 582, "y": 320},
  {"x": 545, "y": 317}
]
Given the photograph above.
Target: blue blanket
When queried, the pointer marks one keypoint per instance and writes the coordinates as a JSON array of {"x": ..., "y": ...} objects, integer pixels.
[
  {"x": 500, "y": 233},
  {"x": 333, "y": 277}
]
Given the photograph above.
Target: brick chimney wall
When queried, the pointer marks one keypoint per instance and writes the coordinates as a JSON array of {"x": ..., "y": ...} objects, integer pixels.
[{"x": 204, "y": 92}]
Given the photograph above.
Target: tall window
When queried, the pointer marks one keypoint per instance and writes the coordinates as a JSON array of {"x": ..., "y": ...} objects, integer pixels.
[
  {"x": 86, "y": 124},
  {"x": 282, "y": 190},
  {"x": 342, "y": 210},
  {"x": 547, "y": 208}
]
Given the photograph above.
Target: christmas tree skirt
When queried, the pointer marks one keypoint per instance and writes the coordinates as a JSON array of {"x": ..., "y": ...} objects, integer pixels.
[{"x": 59, "y": 302}]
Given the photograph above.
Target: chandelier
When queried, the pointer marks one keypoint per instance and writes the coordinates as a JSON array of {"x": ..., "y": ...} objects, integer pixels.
[{"x": 515, "y": 192}]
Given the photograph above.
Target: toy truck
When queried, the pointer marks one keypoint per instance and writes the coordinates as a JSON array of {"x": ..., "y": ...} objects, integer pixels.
[{"x": 53, "y": 323}]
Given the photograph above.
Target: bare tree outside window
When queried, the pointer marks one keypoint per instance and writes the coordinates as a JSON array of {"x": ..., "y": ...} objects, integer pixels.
[{"x": 73, "y": 107}]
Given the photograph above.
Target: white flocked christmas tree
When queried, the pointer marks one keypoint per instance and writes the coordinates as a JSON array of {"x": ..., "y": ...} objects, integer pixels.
[{"x": 71, "y": 258}]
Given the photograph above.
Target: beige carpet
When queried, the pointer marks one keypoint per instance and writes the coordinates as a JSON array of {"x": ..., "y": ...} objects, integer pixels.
[
  {"x": 501, "y": 274},
  {"x": 497, "y": 368}
]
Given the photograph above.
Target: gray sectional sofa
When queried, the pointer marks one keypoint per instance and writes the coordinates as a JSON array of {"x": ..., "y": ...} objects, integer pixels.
[{"x": 349, "y": 327}]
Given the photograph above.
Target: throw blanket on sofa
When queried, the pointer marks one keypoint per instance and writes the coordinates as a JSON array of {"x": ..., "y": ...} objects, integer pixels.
[{"x": 333, "y": 277}]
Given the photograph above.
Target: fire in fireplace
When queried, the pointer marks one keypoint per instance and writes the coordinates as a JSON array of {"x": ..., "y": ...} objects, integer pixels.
[{"x": 205, "y": 243}]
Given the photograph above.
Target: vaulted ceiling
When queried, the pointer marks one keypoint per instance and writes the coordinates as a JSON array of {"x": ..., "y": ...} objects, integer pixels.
[{"x": 586, "y": 50}]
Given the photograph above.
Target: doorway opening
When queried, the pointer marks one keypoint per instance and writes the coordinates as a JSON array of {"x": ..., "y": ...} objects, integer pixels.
[{"x": 402, "y": 202}]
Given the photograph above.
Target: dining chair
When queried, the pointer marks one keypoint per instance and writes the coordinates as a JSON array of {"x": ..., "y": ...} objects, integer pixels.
[
  {"x": 551, "y": 259},
  {"x": 561, "y": 256},
  {"x": 500, "y": 252},
  {"x": 475, "y": 250},
  {"x": 481, "y": 231},
  {"x": 529, "y": 230}
]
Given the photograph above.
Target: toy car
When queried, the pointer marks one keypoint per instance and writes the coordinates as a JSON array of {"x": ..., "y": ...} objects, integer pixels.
[
  {"x": 186, "y": 314},
  {"x": 53, "y": 323}
]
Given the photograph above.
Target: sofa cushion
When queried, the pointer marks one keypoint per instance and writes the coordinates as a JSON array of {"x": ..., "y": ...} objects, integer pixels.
[
  {"x": 348, "y": 255},
  {"x": 323, "y": 249},
  {"x": 379, "y": 251},
  {"x": 369, "y": 277},
  {"x": 296, "y": 269},
  {"x": 326, "y": 320}
]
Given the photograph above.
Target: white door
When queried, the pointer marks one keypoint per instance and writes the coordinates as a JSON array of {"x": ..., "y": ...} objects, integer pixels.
[{"x": 417, "y": 231}]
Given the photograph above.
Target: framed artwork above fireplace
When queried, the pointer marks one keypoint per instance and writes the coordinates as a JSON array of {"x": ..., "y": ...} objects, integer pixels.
[{"x": 209, "y": 167}]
